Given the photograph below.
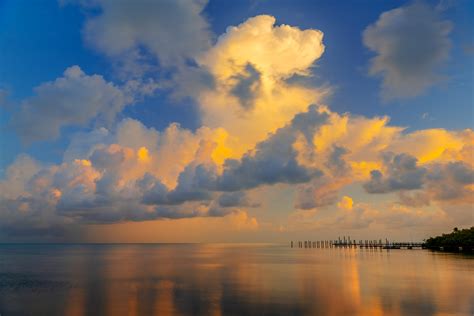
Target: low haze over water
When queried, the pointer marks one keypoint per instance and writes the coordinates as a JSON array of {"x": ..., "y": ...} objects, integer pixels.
[{"x": 226, "y": 279}]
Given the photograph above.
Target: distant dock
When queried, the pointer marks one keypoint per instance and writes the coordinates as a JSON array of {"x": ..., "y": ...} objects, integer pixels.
[{"x": 349, "y": 243}]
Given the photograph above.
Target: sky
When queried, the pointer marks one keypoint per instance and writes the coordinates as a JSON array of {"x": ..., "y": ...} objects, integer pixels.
[{"x": 235, "y": 121}]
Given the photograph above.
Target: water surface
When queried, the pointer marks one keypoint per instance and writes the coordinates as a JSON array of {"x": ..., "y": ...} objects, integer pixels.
[{"x": 226, "y": 279}]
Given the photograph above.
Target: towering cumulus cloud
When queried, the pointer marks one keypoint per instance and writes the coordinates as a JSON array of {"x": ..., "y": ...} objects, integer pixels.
[
  {"x": 410, "y": 42},
  {"x": 252, "y": 96},
  {"x": 262, "y": 133}
]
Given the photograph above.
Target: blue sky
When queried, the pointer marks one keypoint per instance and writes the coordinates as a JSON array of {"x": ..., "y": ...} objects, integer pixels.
[{"x": 40, "y": 40}]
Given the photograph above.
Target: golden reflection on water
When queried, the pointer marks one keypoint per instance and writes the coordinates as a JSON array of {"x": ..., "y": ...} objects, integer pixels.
[
  {"x": 75, "y": 303},
  {"x": 232, "y": 279}
]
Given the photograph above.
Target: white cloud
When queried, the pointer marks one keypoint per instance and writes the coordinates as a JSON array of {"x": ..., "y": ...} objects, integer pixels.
[
  {"x": 275, "y": 51},
  {"x": 169, "y": 30},
  {"x": 75, "y": 99},
  {"x": 411, "y": 43},
  {"x": 251, "y": 96}
]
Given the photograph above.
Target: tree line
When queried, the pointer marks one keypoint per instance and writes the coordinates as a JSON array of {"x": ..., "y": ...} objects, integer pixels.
[{"x": 452, "y": 241}]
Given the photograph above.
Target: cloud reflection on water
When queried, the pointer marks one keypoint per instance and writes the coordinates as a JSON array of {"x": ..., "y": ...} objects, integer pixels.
[{"x": 231, "y": 279}]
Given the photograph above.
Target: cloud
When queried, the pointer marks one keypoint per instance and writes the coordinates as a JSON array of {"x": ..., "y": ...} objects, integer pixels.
[
  {"x": 359, "y": 217},
  {"x": 439, "y": 181},
  {"x": 415, "y": 199},
  {"x": 193, "y": 185},
  {"x": 275, "y": 159},
  {"x": 27, "y": 200},
  {"x": 346, "y": 203},
  {"x": 17, "y": 176},
  {"x": 259, "y": 130},
  {"x": 118, "y": 176},
  {"x": 135, "y": 173},
  {"x": 267, "y": 47},
  {"x": 242, "y": 221},
  {"x": 402, "y": 174},
  {"x": 452, "y": 182},
  {"x": 172, "y": 31},
  {"x": 234, "y": 88},
  {"x": 123, "y": 175},
  {"x": 399, "y": 217},
  {"x": 75, "y": 99},
  {"x": 82, "y": 144},
  {"x": 363, "y": 216},
  {"x": 318, "y": 193},
  {"x": 410, "y": 43},
  {"x": 236, "y": 199},
  {"x": 336, "y": 162},
  {"x": 251, "y": 95},
  {"x": 435, "y": 144},
  {"x": 247, "y": 86},
  {"x": 168, "y": 151},
  {"x": 459, "y": 214},
  {"x": 271, "y": 162},
  {"x": 152, "y": 45}
]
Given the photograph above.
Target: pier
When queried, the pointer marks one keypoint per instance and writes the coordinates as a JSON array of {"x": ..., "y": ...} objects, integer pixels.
[{"x": 352, "y": 243}]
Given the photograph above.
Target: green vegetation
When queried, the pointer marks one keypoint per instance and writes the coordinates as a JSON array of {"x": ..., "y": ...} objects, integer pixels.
[{"x": 458, "y": 238}]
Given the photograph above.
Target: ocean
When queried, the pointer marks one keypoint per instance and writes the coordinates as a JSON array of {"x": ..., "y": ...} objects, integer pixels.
[{"x": 231, "y": 279}]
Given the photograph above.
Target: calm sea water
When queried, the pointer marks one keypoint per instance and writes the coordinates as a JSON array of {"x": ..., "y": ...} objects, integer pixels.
[{"x": 218, "y": 279}]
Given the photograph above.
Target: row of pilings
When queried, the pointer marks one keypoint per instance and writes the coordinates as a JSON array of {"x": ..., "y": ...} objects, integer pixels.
[{"x": 349, "y": 243}]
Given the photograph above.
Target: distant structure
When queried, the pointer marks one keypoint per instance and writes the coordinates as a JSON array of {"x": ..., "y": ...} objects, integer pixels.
[{"x": 349, "y": 243}]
